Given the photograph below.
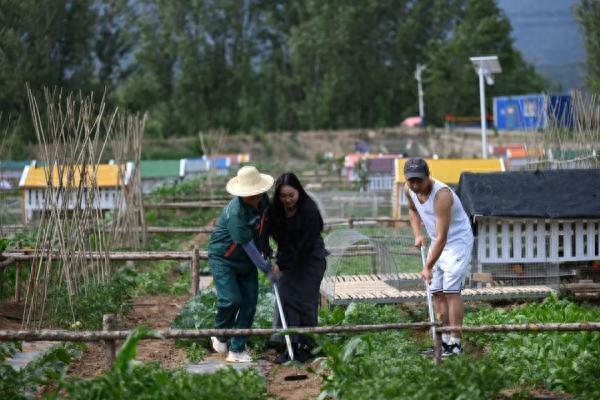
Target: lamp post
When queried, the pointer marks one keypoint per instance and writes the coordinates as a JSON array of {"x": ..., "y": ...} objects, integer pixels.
[
  {"x": 485, "y": 67},
  {"x": 418, "y": 74}
]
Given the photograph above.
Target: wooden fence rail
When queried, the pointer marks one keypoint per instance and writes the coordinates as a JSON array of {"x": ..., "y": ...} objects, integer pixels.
[
  {"x": 114, "y": 255},
  {"x": 193, "y": 255},
  {"x": 186, "y": 205},
  {"x": 350, "y": 222},
  {"x": 109, "y": 336}
]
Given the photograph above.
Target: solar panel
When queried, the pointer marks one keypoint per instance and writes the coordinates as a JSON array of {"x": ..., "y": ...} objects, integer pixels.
[{"x": 489, "y": 64}]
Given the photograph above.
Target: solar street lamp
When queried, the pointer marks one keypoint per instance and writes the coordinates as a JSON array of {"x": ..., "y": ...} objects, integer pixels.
[
  {"x": 418, "y": 75},
  {"x": 485, "y": 67}
]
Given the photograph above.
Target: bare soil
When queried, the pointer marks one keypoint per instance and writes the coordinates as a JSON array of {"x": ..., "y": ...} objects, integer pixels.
[
  {"x": 308, "y": 388},
  {"x": 153, "y": 312}
]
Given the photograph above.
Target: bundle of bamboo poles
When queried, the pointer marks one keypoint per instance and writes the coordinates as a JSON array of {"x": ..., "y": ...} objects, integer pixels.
[
  {"x": 72, "y": 139},
  {"x": 129, "y": 219}
]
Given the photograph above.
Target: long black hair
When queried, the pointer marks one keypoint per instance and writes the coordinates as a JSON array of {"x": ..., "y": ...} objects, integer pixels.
[{"x": 277, "y": 217}]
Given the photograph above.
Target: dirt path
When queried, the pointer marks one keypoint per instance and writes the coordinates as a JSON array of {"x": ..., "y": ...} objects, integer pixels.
[
  {"x": 153, "y": 312},
  {"x": 291, "y": 390},
  {"x": 158, "y": 312}
]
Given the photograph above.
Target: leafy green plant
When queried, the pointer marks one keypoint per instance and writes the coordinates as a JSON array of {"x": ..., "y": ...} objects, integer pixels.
[
  {"x": 45, "y": 370},
  {"x": 129, "y": 379},
  {"x": 8, "y": 349},
  {"x": 389, "y": 365},
  {"x": 92, "y": 303},
  {"x": 557, "y": 361},
  {"x": 195, "y": 352}
]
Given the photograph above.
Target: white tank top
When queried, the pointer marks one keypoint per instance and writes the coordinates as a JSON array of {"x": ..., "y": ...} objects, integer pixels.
[{"x": 459, "y": 231}]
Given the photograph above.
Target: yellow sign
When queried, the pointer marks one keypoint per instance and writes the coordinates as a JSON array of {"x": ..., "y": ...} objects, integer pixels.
[{"x": 448, "y": 170}]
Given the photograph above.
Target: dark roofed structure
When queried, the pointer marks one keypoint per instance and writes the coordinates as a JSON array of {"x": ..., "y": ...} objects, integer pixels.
[{"x": 569, "y": 193}]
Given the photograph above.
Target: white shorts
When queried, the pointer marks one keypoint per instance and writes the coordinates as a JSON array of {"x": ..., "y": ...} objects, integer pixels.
[{"x": 450, "y": 270}]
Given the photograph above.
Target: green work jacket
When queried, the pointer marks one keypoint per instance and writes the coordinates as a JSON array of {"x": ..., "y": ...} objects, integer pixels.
[{"x": 238, "y": 224}]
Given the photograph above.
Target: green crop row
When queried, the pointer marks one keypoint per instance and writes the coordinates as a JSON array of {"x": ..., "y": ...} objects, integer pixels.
[{"x": 390, "y": 365}]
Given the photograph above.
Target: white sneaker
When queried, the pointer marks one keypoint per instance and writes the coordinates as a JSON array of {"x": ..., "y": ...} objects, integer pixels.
[
  {"x": 218, "y": 346},
  {"x": 240, "y": 357}
]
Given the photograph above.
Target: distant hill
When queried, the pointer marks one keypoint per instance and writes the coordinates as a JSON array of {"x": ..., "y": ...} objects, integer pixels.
[{"x": 549, "y": 37}]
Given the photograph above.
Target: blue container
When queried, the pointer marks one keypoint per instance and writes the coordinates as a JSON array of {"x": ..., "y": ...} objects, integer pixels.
[
  {"x": 221, "y": 163},
  {"x": 533, "y": 111}
]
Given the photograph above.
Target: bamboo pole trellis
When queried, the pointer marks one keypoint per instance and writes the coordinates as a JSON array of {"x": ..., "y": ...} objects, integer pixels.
[
  {"x": 71, "y": 139},
  {"x": 129, "y": 219}
]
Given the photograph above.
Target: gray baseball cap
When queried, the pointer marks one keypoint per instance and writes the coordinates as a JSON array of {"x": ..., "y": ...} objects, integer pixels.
[{"x": 416, "y": 168}]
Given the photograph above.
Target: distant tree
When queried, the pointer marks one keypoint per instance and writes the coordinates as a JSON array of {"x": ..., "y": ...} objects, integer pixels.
[
  {"x": 355, "y": 59},
  {"x": 588, "y": 15},
  {"x": 451, "y": 85},
  {"x": 46, "y": 43},
  {"x": 113, "y": 43}
]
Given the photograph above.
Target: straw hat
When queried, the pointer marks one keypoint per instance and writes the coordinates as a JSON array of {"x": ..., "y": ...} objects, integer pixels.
[{"x": 249, "y": 182}]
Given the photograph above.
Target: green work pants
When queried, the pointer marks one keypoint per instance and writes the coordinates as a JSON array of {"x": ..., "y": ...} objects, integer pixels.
[{"x": 237, "y": 294}]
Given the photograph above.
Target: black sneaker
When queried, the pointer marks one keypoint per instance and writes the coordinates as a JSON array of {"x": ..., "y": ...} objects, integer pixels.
[
  {"x": 452, "y": 350},
  {"x": 282, "y": 357},
  {"x": 302, "y": 353},
  {"x": 430, "y": 352}
]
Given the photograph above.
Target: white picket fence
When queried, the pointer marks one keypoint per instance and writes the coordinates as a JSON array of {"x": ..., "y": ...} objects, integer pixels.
[{"x": 513, "y": 240}]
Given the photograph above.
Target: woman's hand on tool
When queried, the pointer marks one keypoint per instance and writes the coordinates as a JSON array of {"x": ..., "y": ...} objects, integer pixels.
[{"x": 275, "y": 273}]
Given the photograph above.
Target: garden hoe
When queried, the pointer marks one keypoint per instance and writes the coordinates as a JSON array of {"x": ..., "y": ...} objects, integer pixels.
[
  {"x": 288, "y": 341},
  {"x": 429, "y": 302}
]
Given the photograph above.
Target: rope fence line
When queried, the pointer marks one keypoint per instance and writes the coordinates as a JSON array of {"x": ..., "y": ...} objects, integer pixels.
[{"x": 109, "y": 336}]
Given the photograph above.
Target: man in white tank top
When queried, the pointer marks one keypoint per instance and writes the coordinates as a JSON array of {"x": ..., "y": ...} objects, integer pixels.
[{"x": 448, "y": 261}]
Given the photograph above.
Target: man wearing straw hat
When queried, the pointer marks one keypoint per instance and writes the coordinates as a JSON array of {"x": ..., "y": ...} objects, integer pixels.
[
  {"x": 233, "y": 257},
  {"x": 436, "y": 206}
]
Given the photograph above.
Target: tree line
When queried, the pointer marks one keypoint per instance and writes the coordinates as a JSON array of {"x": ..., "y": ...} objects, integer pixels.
[{"x": 260, "y": 65}]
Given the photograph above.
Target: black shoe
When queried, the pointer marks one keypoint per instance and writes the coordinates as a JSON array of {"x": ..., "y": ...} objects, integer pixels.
[
  {"x": 282, "y": 358},
  {"x": 452, "y": 350},
  {"x": 302, "y": 353},
  {"x": 430, "y": 352}
]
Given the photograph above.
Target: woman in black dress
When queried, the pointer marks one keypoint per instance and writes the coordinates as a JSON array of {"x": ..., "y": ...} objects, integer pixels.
[{"x": 295, "y": 224}]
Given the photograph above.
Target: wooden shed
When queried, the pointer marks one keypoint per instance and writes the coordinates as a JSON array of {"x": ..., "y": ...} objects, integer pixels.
[
  {"x": 528, "y": 223},
  {"x": 34, "y": 186}
]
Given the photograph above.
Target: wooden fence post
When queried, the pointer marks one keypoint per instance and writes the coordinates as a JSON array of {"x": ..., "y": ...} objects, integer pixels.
[
  {"x": 108, "y": 321},
  {"x": 195, "y": 273},
  {"x": 18, "y": 283},
  {"x": 374, "y": 261},
  {"x": 437, "y": 348}
]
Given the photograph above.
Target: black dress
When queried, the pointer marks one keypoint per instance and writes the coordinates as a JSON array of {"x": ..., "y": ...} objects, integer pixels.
[{"x": 301, "y": 258}]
